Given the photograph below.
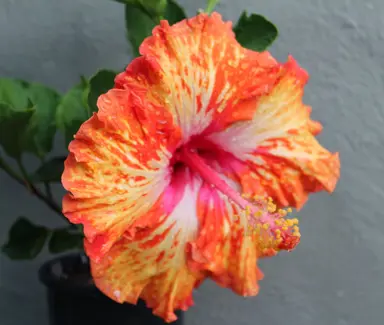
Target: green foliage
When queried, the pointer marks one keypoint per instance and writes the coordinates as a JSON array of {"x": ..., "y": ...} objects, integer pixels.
[
  {"x": 30, "y": 115},
  {"x": 141, "y": 16},
  {"x": 12, "y": 93},
  {"x": 99, "y": 84},
  {"x": 211, "y": 4},
  {"x": 139, "y": 25},
  {"x": 42, "y": 127},
  {"x": 255, "y": 32},
  {"x": 174, "y": 12},
  {"x": 72, "y": 111},
  {"x": 140, "y": 21},
  {"x": 79, "y": 103},
  {"x": 65, "y": 239},
  {"x": 29, "y": 108},
  {"x": 13, "y": 129},
  {"x": 25, "y": 241},
  {"x": 152, "y": 7},
  {"x": 49, "y": 171}
]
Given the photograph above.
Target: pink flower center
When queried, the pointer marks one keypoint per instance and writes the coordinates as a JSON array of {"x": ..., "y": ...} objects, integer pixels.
[{"x": 197, "y": 158}]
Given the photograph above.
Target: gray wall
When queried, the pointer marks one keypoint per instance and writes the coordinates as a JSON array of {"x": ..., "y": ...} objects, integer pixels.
[{"x": 336, "y": 276}]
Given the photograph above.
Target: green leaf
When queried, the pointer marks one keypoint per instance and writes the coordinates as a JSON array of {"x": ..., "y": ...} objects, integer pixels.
[
  {"x": 211, "y": 4},
  {"x": 42, "y": 127},
  {"x": 20, "y": 95},
  {"x": 174, "y": 12},
  {"x": 13, "y": 129},
  {"x": 25, "y": 241},
  {"x": 99, "y": 84},
  {"x": 72, "y": 111},
  {"x": 255, "y": 32},
  {"x": 140, "y": 19},
  {"x": 65, "y": 239},
  {"x": 49, "y": 171},
  {"x": 12, "y": 92},
  {"x": 84, "y": 83},
  {"x": 139, "y": 26},
  {"x": 155, "y": 8}
]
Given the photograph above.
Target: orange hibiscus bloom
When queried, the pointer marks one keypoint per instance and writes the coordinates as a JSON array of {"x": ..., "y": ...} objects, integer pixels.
[{"x": 166, "y": 176}]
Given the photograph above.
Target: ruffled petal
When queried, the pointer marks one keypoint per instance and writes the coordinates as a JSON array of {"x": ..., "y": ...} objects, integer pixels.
[
  {"x": 154, "y": 229},
  {"x": 200, "y": 73},
  {"x": 153, "y": 265},
  {"x": 230, "y": 241},
  {"x": 118, "y": 167},
  {"x": 222, "y": 247},
  {"x": 281, "y": 155}
]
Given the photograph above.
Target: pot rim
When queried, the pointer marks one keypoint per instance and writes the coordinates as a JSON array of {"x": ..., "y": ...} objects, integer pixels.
[{"x": 53, "y": 281}]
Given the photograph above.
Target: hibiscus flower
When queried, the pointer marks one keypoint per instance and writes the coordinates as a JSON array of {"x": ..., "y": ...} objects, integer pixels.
[{"x": 199, "y": 141}]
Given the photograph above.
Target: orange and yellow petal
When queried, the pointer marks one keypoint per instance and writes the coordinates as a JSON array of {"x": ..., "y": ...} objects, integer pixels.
[
  {"x": 223, "y": 246},
  {"x": 153, "y": 265},
  {"x": 199, "y": 72},
  {"x": 154, "y": 234},
  {"x": 229, "y": 241},
  {"x": 117, "y": 167},
  {"x": 281, "y": 156}
]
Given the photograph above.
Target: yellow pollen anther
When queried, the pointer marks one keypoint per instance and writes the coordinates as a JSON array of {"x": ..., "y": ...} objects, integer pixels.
[
  {"x": 271, "y": 207},
  {"x": 278, "y": 222}
]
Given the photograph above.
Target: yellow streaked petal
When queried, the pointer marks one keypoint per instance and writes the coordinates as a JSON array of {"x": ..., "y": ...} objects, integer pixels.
[
  {"x": 118, "y": 167},
  {"x": 284, "y": 159},
  {"x": 153, "y": 265},
  {"x": 198, "y": 71}
]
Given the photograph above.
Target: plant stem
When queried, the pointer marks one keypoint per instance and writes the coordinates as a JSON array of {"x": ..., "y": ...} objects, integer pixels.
[
  {"x": 31, "y": 188},
  {"x": 25, "y": 176},
  {"x": 48, "y": 191},
  {"x": 35, "y": 191},
  {"x": 10, "y": 171},
  {"x": 211, "y": 5},
  {"x": 47, "y": 187}
]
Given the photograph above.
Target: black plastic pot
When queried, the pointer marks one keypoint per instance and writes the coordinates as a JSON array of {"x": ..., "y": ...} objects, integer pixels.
[{"x": 74, "y": 300}]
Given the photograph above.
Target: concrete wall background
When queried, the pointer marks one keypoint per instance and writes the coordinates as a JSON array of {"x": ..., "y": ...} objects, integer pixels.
[{"x": 336, "y": 276}]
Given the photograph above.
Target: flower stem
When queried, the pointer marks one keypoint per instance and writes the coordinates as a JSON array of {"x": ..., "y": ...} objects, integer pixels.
[{"x": 24, "y": 180}]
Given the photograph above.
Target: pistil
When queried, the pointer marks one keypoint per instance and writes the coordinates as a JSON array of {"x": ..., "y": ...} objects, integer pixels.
[
  {"x": 261, "y": 213},
  {"x": 253, "y": 209},
  {"x": 192, "y": 159}
]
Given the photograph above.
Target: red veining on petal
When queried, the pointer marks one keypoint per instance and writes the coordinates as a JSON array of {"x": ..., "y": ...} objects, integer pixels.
[{"x": 171, "y": 177}]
